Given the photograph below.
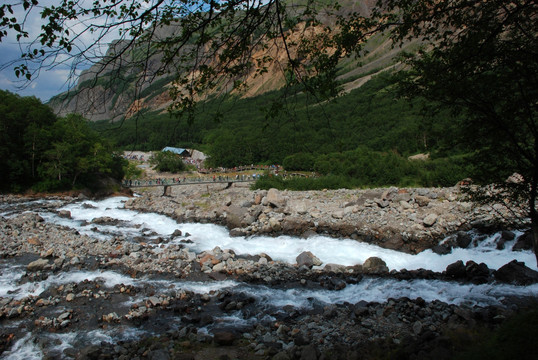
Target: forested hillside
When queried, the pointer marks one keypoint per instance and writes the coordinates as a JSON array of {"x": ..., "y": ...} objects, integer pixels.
[{"x": 352, "y": 136}]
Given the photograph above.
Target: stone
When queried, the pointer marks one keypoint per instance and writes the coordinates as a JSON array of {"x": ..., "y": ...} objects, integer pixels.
[
  {"x": 220, "y": 267},
  {"x": 70, "y": 297},
  {"x": 337, "y": 268},
  {"x": 37, "y": 265},
  {"x": 309, "y": 352},
  {"x": 442, "y": 249},
  {"x": 422, "y": 200},
  {"x": 516, "y": 272},
  {"x": 507, "y": 235},
  {"x": 154, "y": 301},
  {"x": 64, "y": 214},
  {"x": 405, "y": 205},
  {"x": 275, "y": 198},
  {"x": 463, "y": 239},
  {"x": 382, "y": 203},
  {"x": 234, "y": 216},
  {"x": 306, "y": 258},
  {"x": 429, "y": 220},
  {"x": 34, "y": 241},
  {"x": 417, "y": 327},
  {"x": 275, "y": 224},
  {"x": 477, "y": 273},
  {"x": 224, "y": 338},
  {"x": 176, "y": 233},
  {"x": 456, "y": 270},
  {"x": 524, "y": 242},
  {"x": 375, "y": 265}
]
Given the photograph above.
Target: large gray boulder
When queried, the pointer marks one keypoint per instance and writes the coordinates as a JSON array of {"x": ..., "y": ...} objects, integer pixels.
[
  {"x": 275, "y": 198},
  {"x": 307, "y": 259},
  {"x": 37, "y": 265},
  {"x": 375, "y": 265},
  {"x": 516, "y": 272}
]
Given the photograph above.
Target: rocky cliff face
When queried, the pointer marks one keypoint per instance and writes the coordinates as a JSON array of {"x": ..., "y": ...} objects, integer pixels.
[{"x": 120, "y": 87}]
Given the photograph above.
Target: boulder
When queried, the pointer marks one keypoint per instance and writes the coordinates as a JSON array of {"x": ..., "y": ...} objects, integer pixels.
[
  {"x": 429, "y": 220},
  {"x": 463, "y": 239},
  {"x": 507, "y": 235},
  {"x": 442, "y": 249},
  {"x": 477, "y": 273},
  {"x": 516, "y": 272},
  {"x": 224, "y": 338},
  {"x": 375, "y": 265},
  {"x": 422, "y": 200},
  {"x": 275, "y": 198},
  {"x": 524, "y": 242},
  {"x": 456, "y": 270},
  {"x": 64, "y": 214},
  {"x": 306, "y": 258},
  {"x": 37, "y": 265},
  {"x": 234, "y": 216}
]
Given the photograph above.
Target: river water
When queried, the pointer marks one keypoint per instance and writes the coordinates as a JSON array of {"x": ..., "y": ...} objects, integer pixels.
[{"x": 268, "y": 299}]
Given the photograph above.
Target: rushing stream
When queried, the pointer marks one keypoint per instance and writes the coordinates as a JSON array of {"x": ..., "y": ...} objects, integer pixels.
[{"x": 266, "y": 302}]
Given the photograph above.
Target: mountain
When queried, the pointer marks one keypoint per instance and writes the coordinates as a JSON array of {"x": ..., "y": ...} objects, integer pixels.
[{"x": 119, "y": 87}]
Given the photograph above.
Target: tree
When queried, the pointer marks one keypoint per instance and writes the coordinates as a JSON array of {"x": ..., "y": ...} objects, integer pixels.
[
  {"x": 77, "y": 155},
  {"x": 479, "y": 61},
  {"x": 23, "y": 138},
  {"x": 168, "y": 161}
]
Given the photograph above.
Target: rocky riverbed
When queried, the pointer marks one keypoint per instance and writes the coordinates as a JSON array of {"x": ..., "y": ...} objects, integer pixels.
[
  {"x": 409, "y": 220},
  {"x": 70, "y": 293}
]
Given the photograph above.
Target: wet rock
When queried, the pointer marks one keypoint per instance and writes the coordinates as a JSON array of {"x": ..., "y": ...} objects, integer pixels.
[
  {"x": 105, "y": 220},
  {"x": 516, "y": 272},
  {"x": 507, "y": 235},
  {"x": 306, "y": 258},
  {"x": 64, "y": 214},
  {"x": 176, "y": 233},
  {"x": 374, "y": 265},
  {"x": 477, "y": 273},
  {"x": 524, "y": 242},
  {"x": 37, "y": 265},
  {"x": 456, "y": 270},
  {"x": 463, "y": 239},
  {"x": 442, "y": 249}
]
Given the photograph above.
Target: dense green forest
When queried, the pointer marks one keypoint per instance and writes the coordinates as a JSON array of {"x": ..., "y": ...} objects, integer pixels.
[
  {"x": 41, "y": 151},
  {"x": 364, "y": 136}
]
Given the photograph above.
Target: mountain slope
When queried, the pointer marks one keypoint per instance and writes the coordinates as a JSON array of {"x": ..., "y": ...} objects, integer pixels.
[{"x": 121, "y": 87}]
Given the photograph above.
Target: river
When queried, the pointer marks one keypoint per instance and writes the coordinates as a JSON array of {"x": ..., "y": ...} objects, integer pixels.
[{"x": 262, "y": 303}]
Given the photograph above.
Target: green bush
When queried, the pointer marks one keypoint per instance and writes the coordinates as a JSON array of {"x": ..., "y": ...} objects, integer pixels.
[{"x": 167, "y": 161}]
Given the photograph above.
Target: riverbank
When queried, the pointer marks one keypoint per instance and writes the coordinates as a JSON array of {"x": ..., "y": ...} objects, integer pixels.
[
  {"x": 404, "y": 219},
  {"x": 91, "y": 280}
]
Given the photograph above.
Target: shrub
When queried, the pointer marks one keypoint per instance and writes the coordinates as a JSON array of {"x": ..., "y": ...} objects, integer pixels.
[{"x": 167, "y": 161}]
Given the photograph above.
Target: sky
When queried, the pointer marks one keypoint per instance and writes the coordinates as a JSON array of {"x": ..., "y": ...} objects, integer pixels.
[
  {"x": 55, "y": 77},
  {"x": 45, "y": 86},
  {"x": 48, "y": 83}
]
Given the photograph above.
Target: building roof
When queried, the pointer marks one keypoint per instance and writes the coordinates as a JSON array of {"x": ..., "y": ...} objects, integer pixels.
[{"x": 175, "y": 150}]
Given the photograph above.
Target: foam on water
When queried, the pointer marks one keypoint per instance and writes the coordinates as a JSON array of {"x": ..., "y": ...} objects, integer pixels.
[
  {"x": 379, "y": 290},
  {"x": 284, "y": 248},
  {"x": 10, "y": 287},
  {"x": 23, "y": 349}
]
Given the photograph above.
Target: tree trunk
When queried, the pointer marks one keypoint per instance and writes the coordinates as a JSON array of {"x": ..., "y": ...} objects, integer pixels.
[{"x": 534, "y": 227}]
